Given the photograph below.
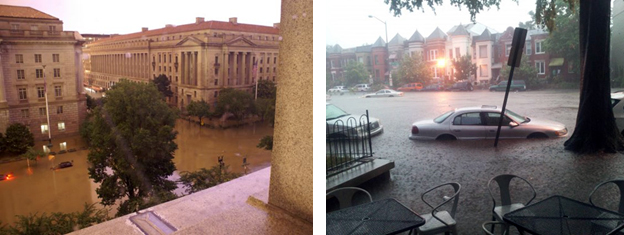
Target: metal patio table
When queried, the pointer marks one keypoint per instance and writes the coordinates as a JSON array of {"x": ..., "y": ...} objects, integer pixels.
[
  {"x": 378, "y": 217},
  {"x": 562, "y": 215}
]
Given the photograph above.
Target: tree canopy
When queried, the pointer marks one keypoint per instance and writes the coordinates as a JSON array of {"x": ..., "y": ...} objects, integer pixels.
[
  {"x": 564, "y": 40},
  {"x": 199, "y": 109},
  {"x": 18, "y": 138},
  {"x": 464, "y": 68},
  {"x": 164, "y": 85},
  {"x": 132, "y": 146},
  {"x": 355, "y": 73},
  {"x": 237, "y": 102},
  {"x": 413, "y": 69},
  {"x": 526, "y": 72}
]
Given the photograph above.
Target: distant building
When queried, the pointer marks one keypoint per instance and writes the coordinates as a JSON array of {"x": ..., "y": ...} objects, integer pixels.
[
  {"x": 199, "y": 59},
  {"x": 34, "y": 46}
]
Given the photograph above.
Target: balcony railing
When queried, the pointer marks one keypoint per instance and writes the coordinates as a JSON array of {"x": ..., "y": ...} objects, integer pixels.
[{"x": 347, "y": 144}]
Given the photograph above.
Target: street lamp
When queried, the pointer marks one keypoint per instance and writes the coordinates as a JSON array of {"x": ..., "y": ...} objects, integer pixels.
[
  {"x": 45, "y": 91},
  {"x": 387, "y": 50}
]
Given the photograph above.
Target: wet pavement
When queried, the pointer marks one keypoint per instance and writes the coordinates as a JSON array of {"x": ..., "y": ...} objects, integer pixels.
[
  {"x": 39, "y": 189},
  {"x": 420, "y": 165}
]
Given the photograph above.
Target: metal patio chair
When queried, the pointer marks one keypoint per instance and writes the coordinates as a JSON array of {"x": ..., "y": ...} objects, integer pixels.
[
  {"x": 620, "y": 184},
  {"x": 506, "y": 206},
  {"x": 441, "y": 221},
  {"x": 345, "y": 195}
]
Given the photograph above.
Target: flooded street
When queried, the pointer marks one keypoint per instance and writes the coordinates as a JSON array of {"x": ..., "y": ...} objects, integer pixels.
[{"x": 39, "y": 189}]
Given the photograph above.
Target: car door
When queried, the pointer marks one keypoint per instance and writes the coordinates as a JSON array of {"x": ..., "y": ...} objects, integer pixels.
[
  {"x": 491, "y": 126},
  {"x": 468, "y": 126}
]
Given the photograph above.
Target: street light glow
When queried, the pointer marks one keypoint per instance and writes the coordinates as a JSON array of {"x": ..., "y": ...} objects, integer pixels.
[{"x": 441, "y": 63}]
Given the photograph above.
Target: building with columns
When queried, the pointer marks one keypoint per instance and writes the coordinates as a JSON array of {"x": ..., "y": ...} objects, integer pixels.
[
  {"x": 199, "y": 59},
  {"x": 38, "y": 57}
]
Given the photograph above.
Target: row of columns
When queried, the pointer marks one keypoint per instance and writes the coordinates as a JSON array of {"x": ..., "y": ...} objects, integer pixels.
[
  {"x": 189, "y": 68},
  {"x": 239, "y": 65},
  {"x": 129, "y": 64}
]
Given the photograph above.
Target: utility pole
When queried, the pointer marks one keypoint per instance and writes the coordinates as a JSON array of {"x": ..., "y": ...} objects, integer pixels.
[{"x": 45, "y": 91}]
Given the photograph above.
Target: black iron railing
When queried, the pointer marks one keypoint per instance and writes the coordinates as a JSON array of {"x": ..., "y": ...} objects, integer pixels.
[{"x": 347, "y": 143}]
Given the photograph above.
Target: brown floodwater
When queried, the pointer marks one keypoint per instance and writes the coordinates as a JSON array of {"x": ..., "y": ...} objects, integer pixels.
[{"x": 38, "y": 189}]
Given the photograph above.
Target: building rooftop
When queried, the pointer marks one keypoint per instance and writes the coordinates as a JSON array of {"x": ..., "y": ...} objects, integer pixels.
[
  {"x": 416, "y": 37},
  {"x": 459, "y": 30},
  {"x": 23, "y": 12},
  {"x": 437, "y": 34},
  {"x": 396, "y": 40},
  {"x": 379, "y": 43}
]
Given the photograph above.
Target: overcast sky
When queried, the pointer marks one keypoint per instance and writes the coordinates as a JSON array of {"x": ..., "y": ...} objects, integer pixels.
[
  {"x": 129, "y": 16},
  {"x": 349, "y": 26}
]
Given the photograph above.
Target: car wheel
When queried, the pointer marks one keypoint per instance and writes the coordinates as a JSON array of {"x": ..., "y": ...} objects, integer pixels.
[
  {"x": 491, "y": 90},
  {"x": 537, "y": 135},
  {"x": 367, "y": 96},
  {"x": 391, "y": 96},
  {"x": 446, "y": 137}
]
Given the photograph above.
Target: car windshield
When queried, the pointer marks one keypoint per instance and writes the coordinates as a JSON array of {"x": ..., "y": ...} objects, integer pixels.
[
  {"x": 502, "y": 83},
  {"x": 443, "y": 117},
  {"x": 516, "y": 117},
  {"x": 333, "y": 112}
]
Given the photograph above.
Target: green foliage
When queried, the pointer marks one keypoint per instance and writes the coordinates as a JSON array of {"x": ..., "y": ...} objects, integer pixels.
[
  {"x": 132, "y": 135},
  {"x": 198, "y": 109},
  {"x": 526, "y": 72},
  {"x": 266, "y": 142},
  {"x": 92, "y": 102},
  {"x": 266, "y": 89},
  {"x": 464, "y": 68},
  {"x": 164, "y": 85},
  {"x": 237, "y": 102},
  {"x": 206, "y": 178},
  {"x": 355, "y": 73},
  {"x": 265, "y": 108},
  {"x": 56, "y": 223},
  {"x": 412, "y": 69},
  {"x": 564, "y": 41},
  {"x": 31, "y": 154},
  {"x": 18, "y": 138},
  {"x": 85, "y": 130}
]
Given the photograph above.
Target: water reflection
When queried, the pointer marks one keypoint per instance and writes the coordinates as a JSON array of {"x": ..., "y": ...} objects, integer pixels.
[{"x": 39, "y": 189}]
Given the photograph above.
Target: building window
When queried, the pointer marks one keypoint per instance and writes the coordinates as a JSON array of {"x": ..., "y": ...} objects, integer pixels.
[
  {"x": 24, "y": 113},
  {"x": 434, "y": 71},
  {"x": 216, "y": 93},
  {"x": 63, "y": 145},
  {"x": 433, "y": 54},
  {"x": 538, "y": 48},
  {"x": 39, "y": 73},
  {"x": 59, "y": 109},
  {"x": 274, "y": 60},
  {"x": 457, "y": 55},
  {"x": 40, "y": 92},
  {"x": 450, "y": 53},
  {"x": 58, "y": 92},
  {"x": 14, "y": 26},
  {"x": 56, "y": 58},
  {"x": 528, "y": 48},
  {"x": 44, "y": 128},
  {"x": 260, "y": 70},
  {"x": 57, "y": 73},
  {"x": 37, "y": 58},
  {"x": 61, "y": 126},
  {"x": 165, "y": 68},
  {"x": 540, "y": 65},
  {"x": 483, "y": 51},
  {"x": 216, "y": 82},
  {"x": 507, "y": 49},
  {"x": 274, "y": 69},
  {"x": 483, "y": 70},
  {"x": 274, "y": 78},
  {"x": 19, "y": 58},
  {"x": 22, "y": 93},
  {"x": 42, "y": 111},
  {"x": 52, "y": 28},
  {"x": 20, "y": 74}
]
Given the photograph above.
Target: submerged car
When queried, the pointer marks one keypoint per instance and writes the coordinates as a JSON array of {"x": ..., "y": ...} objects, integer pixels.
[
  {"x": 6, "y": 176},
  {"x": 461, "y": 86},
  {"x": 618, "y": 109},
  {"x": 516, "y": 85},
  {"x": 342, "y": 124},
  {"x": 482, "y": 123},
  {"x": 433, "y": 87},
  {"x": 384, "y": 93},
  {"x": 415, "y": 86}
]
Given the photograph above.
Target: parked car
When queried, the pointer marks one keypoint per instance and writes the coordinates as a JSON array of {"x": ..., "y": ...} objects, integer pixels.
[
  {"x": 7, "y": 176},
  {"x": 516, "y": 85},
  {"x": 416, "y": 86},
  {"x": 433, "y": 87},
  {"x": 618, "y": 109},
  {"x": 337, "y": 89},
  {"x": 63, "y": 165},
  {"x": 461, "y": 86},
  {"x": 338, "y": 122},
  {"x": 385, "y": 93},
  {"x": 482, "y": 123},
  {"x": 361, "y": 87}
]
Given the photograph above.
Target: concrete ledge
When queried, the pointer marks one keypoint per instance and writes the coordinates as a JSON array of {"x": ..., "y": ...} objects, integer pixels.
[{"x": 358, "y": 175}]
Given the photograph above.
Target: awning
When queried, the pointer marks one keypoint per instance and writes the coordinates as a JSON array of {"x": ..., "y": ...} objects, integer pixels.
[
  {"x": 497, "y": 66},
  {"x": 393, "y": 56},
  {"x": 555, "y": 62}
]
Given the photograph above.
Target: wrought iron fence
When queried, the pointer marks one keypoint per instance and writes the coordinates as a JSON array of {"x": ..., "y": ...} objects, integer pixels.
[{"x": 347, "y": 143}]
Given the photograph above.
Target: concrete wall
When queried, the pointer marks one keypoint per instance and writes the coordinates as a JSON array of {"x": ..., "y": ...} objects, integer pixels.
[{"x": 291, "y": 173}]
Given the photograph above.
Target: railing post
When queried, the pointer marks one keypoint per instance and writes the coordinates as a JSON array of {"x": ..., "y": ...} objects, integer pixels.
[{"x": 370, "y": 143}]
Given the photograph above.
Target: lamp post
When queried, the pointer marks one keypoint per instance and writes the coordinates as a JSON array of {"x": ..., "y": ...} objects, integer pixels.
[
  {"x": 387, "y": 50},
  {"x": 45, "y": 91}
]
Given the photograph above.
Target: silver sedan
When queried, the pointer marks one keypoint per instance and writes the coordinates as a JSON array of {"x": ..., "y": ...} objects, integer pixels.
[
  {"x": 482, "y": 123},
  {"x": 385, "y": 93}
]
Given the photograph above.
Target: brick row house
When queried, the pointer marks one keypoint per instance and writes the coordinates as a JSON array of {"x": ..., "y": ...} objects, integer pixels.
[
  {"x": 38, "y": 57},
  {"x": 489, "y": 51}
]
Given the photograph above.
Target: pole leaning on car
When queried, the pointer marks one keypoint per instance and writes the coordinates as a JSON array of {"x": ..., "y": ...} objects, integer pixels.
[{"x": 514, "y": 61}]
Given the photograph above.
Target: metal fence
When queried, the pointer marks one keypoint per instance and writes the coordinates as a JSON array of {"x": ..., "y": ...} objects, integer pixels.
[{"x": 347, "y": 144}]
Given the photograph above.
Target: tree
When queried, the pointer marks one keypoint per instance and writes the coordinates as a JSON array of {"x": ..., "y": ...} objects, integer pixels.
[
  {"x": 355, "y": 73},
  {"x": 56, "y": 223},
  {"x": 18, "y": 138},
  {"x": 266, "y": 143},
  {"x": 31, "y": 155},
  {"x": 132, "y": 146},
  {"x": 237, "y": 102},
  {"x": 266, "y": 89},
  {"x": 265, "y": 104},
  {"x": 91, "y": 102},
  {"x": 564, "y": 40},
  {"x": 526, "y": 72},
  {"x": 199, "y": 109},
  {"x": 464, "y": 68},
  {"x": 595, "y": 129},
  {"x": 164, "y": 85},
  {"x": 413, "y": 69},
  {"x": 528, "y": 24},
  {"x": 206, "y": 178}
]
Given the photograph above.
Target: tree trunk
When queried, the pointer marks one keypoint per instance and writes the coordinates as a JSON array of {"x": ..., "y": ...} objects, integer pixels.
[{"x": 595, "y": 129}]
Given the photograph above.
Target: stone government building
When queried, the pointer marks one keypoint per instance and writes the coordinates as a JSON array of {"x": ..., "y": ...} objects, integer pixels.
[
  {"x": 33, "y": 46},
  {"x": 199, "y": 59}
]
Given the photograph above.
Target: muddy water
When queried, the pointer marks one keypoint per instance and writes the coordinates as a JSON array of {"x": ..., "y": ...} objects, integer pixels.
[{"x": 38, "y": 189}]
